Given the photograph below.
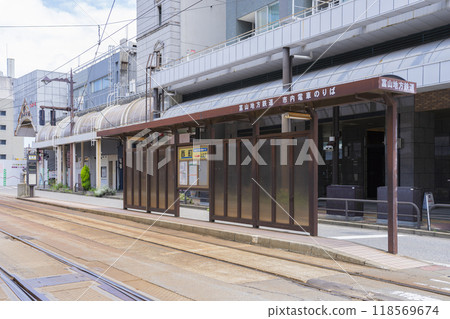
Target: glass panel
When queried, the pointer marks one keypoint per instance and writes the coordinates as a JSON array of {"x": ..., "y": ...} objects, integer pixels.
[
  {"x": 265, "y": 180},
  {"x": 105, "y": 82},
  {"x": 282, "y": 190},
  {"x": 261, "y": 18},
  {"x": 301, "y": 189},
  {"x": 246, "y": 185},
  {"x": 232, "y": 190},
  {"x": 219, "y": 187},
  {"x": 162, "y": 181},
  {"x": 203, "y": 173},
  {"x": 274, "y": 13}
]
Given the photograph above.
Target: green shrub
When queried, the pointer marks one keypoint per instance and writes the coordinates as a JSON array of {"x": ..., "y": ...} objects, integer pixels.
[
  {"x": 105, "y": 190},
  {"x": 85, "y": 178}
]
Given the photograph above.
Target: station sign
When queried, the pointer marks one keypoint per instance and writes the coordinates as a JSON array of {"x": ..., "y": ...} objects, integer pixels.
[{"x": 32, "y": 169}]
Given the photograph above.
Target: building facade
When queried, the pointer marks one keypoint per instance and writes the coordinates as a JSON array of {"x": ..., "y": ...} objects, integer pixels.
[
  {"x": 107, "y": 79},
  {"x": 11, "y": 147},
  {"x": 29, "y": 88},
  {"x": 176, "y": 28}
]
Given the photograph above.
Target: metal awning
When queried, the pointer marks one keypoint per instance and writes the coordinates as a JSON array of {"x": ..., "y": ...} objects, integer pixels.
[
  {"x": 86, "y": 126},
  {"x": 364, "y": 90}
]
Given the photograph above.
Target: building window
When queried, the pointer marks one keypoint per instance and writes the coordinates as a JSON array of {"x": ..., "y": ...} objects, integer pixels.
[
  {"x": 2, "y": 142},
  {"x": 2, "y": 156},
  {"x": 100, "y": 84},
  {"x": 160, "y": 14},
  {"x": 2, "y": 127},
  {"x": 266, "y": 16},
  {"x": 2, "y": 113}
]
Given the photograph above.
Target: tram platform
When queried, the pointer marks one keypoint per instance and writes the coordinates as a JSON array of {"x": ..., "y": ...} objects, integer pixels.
[{"x": 298, "y": 242}]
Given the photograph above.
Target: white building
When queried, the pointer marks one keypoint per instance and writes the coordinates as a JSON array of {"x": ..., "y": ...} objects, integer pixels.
[{"x": 11, "y": 147}]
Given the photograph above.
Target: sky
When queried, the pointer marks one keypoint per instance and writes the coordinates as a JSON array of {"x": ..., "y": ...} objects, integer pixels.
[{"x": 51, "y": 48}]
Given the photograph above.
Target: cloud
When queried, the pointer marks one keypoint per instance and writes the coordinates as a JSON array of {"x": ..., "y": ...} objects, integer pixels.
[{"x": 50, "y": 48}]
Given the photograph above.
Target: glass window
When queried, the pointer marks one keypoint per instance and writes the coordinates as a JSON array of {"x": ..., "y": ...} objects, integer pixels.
[
  {"x": 274, "y": 12},
  {"x": 105, "y": 83},
  {"x": 2, "y": 142},
  {"x": 2, "y": 156},
  {"x": 2, "y": 113},
  {"x": 2, "y": 127},
  {"x": 261, "y": 18}
]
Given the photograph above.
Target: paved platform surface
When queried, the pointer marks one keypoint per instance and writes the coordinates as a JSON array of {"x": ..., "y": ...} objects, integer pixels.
[{"x": 340, "y": 250}]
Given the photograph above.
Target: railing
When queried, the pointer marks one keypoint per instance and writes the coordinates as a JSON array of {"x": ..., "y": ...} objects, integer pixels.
[
  {"x": 367, "y": 214},
  {"x": 271, "y": 26}
]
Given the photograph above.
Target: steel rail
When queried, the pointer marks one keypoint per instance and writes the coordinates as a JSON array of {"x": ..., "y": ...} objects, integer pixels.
[
  {"x": 132, "y": 295},
  {"x": 19, "y": 288},
  {"x": 337, "y": 269}
]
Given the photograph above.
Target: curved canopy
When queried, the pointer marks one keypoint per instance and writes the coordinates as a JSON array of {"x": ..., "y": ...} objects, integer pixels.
[{"x": 110, "y": 117}]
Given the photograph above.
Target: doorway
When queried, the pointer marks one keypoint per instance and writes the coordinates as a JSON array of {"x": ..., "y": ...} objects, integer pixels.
[{"x": 375, "y": 161}]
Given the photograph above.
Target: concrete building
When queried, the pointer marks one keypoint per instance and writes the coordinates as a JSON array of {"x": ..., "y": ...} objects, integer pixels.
[
  {"x": 29, "y": 88},
  {"x": 107, "y": 81},
  {"x": 108, "y": 78},
  {"x": 176, "y": 28},
  {"x": 11, "y": 147}
]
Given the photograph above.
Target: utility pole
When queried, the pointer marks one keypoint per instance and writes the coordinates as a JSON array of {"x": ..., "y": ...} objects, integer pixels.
[{"x": 70, "y": 109}]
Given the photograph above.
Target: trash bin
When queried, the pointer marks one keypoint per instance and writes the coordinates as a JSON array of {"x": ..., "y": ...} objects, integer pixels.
[
  {"x": 344, "y": 191},
  {"x": 406, "y": 213}
]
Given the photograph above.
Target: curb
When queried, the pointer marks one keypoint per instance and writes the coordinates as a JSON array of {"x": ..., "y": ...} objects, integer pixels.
[
  {"x": 411, "y": 231},
  {"x": 263, "y": 241}
]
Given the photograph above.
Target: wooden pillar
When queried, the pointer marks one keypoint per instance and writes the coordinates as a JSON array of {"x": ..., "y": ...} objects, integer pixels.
[
  {"x": 313, "y": 180},
  {"x": 98, "y": 163},
  {"x": 391, "y": 148}
]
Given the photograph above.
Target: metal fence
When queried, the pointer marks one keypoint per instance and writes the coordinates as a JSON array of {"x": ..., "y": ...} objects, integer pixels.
[{"x": 370, "y": 216}]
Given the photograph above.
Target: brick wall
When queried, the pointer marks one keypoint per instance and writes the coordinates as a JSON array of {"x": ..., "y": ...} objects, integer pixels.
[{"x": 434, "y": 100}]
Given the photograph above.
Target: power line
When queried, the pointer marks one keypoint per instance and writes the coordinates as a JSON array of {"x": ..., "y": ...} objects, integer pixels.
[
  {"x": 109, "y": 36},
  {"x": 63, "y": 25}
]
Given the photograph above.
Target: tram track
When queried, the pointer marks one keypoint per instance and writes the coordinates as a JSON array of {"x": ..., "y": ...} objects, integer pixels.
[
  {"x": 24, "y": 292},
  {"x": 19, "y": 288},
  {"x": 82, "y": 221}
]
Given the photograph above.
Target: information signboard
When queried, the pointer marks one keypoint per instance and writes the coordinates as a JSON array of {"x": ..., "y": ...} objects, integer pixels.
[{"x": 193, "y": 168}]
